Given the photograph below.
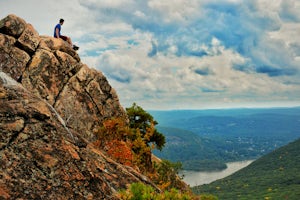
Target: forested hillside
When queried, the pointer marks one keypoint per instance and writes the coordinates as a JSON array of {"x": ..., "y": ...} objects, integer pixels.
[
  {"x": 193, "y": 151},
  {"x": 206, "y": 139},
  {"x": 273, "y": 176}
]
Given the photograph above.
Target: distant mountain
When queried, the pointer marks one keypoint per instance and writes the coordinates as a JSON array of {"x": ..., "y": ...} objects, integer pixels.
[
  {"x": 235, "y": 122},
  {"x": 209, "y": 136},
  {"x": 273, "y": 176}
]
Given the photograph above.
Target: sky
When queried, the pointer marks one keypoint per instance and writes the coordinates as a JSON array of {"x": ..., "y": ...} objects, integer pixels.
[{"x": 182, "y": 54}]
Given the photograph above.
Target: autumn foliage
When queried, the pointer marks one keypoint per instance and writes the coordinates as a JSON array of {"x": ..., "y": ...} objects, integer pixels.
[
  {"x": 131, "y": 142},
  {"x": 120, "y": 151},
  {"x": 112, "y": 137}
]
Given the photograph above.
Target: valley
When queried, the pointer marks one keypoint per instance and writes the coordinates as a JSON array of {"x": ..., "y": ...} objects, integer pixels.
[
  {"x": 204, "y": 140},
  {"x": 273, "y": 176}
]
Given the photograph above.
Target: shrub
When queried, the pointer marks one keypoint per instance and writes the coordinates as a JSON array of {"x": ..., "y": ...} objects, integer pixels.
[
  {"x": 120, "y": 151},
  {"x": 139, "y": 191},
  {"x": 167, "y": 175},
  {"x": 131, "y": 143}
]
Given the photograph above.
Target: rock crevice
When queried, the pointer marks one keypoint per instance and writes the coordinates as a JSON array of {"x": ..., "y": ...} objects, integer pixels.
[
  {"x": 50, "y": 104},
  {"x": 52, "y": 70}
]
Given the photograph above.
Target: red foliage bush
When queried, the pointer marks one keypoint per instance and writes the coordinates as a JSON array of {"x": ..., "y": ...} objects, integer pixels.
[{"x": 120, "y": 151}]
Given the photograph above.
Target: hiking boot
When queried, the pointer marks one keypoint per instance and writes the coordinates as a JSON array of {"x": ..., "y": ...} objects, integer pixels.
[{"x": 75, "y": 47}]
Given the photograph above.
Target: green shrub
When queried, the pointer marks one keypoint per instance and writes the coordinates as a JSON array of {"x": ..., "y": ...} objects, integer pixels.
[
  {"x": 139, "y": 191},
  {"x": 167, "y": 175},
  {"x": 208, "y": 197}
]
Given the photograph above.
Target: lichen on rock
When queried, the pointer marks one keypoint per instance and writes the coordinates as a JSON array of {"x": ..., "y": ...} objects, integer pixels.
[{"x": 48, "y": 96}]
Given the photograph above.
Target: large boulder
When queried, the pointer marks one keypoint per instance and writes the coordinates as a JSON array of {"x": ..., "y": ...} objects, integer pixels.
[
  {"x": 50, "y": 103},
  {"x": 39, "y": 158},
  {"x": 12, "y": 59},
  {"x": 49, "y": 68}
]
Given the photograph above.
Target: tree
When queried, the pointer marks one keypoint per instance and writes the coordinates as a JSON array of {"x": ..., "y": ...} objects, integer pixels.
[
  {"x": 142, "y": 121},
  {"x": 131, "y": 142}
]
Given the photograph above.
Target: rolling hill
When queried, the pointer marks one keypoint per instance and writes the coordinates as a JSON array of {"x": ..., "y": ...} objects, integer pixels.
[
  {"x": 202, "y": 138},
  {"x": 273, "y": 176},
  {"x": 193, "y": 151}
]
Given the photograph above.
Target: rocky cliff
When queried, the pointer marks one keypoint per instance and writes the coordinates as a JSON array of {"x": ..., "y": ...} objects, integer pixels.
[{"x": 50, "y": 103}]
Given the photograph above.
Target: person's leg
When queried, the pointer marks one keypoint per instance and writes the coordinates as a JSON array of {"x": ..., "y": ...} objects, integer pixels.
[
  {"x": 69, "y": 41},
  {"x": 65, "y": 38}
]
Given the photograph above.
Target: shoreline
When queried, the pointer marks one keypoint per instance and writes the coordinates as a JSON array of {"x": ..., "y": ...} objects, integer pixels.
[{"x": 195, "y": 178}]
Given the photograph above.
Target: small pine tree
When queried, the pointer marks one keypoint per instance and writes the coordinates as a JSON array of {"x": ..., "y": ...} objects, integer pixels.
[{"x": 141, "y": 120}]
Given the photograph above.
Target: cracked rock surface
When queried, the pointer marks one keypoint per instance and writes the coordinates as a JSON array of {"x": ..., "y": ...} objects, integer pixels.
[
  {"x": 51, "y": 70},
  {"x": 50, "y": 103}
]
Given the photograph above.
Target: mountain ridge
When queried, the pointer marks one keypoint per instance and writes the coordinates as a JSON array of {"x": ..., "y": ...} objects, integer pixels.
[
  {"x": 229, "y": 135},
  {"x": 273, "y": 176},
  {"x": 51, "y": 104}
]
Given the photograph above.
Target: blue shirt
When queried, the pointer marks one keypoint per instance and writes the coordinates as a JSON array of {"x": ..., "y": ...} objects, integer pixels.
[{"x": 59, "y": 27}]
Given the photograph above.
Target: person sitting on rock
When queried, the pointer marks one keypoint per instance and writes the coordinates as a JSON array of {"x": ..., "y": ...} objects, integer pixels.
[{"x": 65, "y": 38}]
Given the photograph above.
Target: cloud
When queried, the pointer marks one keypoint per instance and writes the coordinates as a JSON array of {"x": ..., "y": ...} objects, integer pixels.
[
  {"x": 289, "y": 11},
  {"x": 203, "y": 71},
  {"x": 178, "y": 11}
]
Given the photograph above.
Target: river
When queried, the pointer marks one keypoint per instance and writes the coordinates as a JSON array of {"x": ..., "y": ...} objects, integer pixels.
[{"x": 194, "y": 178}]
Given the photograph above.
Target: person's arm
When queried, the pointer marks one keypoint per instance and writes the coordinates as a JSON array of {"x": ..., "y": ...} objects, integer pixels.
[{"x": 57, "y": 33}]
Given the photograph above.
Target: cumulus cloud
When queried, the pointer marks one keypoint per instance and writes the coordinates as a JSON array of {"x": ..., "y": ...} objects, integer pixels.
[
  {"x": 178, "y": 10},
  {"x": 183, "y": 53}
]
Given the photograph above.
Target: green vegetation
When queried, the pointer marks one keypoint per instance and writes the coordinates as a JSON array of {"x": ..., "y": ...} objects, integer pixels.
[
  {"x": 194, "y": 152},
  {"x": 131, "y": 144},
  {"x": 167, "y": 175},
  {"x": 142, "y": 121},
  {"x": 139, "y": 191},
  {"x": 274, "y": 176},
  {"x": 204, "y": 140}
]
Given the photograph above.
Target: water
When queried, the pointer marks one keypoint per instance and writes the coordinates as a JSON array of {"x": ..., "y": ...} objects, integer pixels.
[{"x": 194, "y": 178}]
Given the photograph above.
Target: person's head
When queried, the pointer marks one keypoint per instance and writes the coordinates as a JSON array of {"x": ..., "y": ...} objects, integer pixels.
[{"x": 61, "y": 21}]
